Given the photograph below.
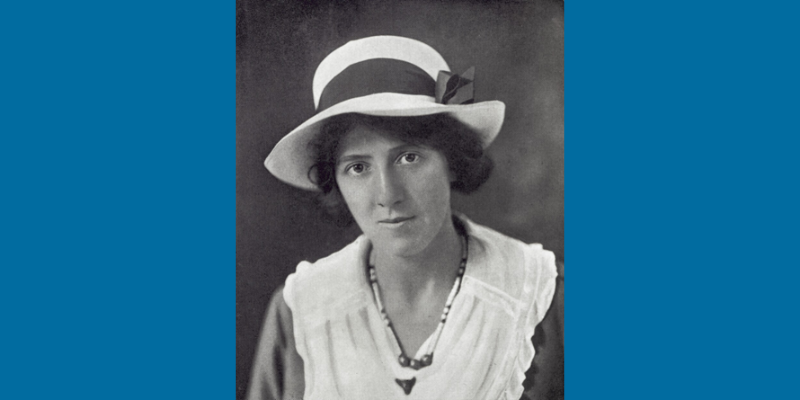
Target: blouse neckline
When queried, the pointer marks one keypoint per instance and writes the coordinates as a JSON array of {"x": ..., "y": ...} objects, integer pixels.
[{"x": 376, "y": 322}]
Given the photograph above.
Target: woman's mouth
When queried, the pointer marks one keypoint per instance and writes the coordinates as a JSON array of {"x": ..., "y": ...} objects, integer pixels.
[{"x": 394, "y": 222}]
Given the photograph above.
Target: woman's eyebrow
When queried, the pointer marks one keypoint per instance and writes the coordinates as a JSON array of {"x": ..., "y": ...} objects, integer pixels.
[
  {"x": 393, "y": 150},
  {"x": 405, "y": 147},
  {"x": 351, "y": 157}
]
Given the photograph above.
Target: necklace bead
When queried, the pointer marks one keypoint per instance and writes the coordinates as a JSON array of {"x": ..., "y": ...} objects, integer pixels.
[
  {"x": 426, "y": 359},
  {"x": 403, "y": 360}
]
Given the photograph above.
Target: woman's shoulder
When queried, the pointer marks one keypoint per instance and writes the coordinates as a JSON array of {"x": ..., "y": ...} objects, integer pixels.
[
  {"x": 332, "y": 265},
  {"x": 506, "y": 263},
  {"x": 315, "y": 289},
  {"x": 498, "y": 244}
]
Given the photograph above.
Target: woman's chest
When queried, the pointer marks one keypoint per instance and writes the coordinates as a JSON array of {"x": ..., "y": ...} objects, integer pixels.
[
  {"x": 475, "y": 355},
  {"x": 414, "y": 322}
]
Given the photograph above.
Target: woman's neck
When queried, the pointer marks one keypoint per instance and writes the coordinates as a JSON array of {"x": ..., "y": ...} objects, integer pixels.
[{"x": 415, "y": 276}]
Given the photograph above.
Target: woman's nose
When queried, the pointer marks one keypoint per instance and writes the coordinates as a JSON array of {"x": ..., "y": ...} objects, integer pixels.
[{"x": 389, "y": 189}]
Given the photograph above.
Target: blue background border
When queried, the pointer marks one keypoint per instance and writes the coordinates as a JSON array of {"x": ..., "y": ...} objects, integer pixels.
[
  {"x": 119, "y": 185},
  {"x": 681, "y": 199},
  {"x": 118, "y": 171}
]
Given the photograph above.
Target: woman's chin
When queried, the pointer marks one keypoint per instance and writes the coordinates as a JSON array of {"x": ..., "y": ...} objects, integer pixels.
[
  {"x": 407, "y": 239},
  {"x": 398, "y": 246}
]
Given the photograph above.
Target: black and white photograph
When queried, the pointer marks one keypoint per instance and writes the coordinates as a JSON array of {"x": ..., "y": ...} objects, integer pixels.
[{"x": 400, "y": 200}]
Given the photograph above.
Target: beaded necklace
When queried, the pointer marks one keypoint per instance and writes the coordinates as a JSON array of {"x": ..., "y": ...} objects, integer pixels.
[{"x": 426, "y": 359}]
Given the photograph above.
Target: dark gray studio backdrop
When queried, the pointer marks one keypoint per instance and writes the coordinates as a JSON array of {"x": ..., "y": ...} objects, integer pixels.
[{"x": 517, "y": 49}]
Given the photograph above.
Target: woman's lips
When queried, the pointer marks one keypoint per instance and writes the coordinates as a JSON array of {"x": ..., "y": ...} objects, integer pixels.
[{"x": 394, "y": 222}]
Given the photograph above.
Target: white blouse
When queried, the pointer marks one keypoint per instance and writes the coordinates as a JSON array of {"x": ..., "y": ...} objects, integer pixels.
[{"x": 484, "y": 349}]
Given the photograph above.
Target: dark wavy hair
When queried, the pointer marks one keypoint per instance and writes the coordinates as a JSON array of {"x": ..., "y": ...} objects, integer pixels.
[{"x": 460, "y": 145}]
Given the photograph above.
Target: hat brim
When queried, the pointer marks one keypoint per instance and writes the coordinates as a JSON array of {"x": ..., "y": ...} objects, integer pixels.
[{"x": 292, "y": 157}]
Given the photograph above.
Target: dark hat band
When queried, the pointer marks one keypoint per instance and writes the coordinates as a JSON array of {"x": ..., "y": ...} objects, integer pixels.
[{"x": 377, "y": 75}]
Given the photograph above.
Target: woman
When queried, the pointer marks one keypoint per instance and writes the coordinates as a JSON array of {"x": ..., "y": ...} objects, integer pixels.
[{"x": 425, "y": 304}]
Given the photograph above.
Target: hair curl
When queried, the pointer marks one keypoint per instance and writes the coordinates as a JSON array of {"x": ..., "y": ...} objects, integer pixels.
[{"x": 460, "y": 145}]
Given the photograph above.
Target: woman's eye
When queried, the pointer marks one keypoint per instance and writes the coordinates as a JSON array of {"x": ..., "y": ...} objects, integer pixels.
[
  {"x": 409, "y": 158},
  {"x": 356, "y": 169}
]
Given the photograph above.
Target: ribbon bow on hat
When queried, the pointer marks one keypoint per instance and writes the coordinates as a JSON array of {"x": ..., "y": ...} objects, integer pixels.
[{"x": 455, "y": 89}]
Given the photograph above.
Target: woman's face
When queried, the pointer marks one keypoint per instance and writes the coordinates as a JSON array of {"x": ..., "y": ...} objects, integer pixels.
[{"x": 398, "y": 193}]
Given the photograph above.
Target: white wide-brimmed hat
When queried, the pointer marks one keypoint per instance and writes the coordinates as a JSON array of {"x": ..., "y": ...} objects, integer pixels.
[{"x": 382, "y": 76}]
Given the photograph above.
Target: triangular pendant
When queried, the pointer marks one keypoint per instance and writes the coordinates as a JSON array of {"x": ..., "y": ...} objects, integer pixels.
[{"x": 406, "y": 384}]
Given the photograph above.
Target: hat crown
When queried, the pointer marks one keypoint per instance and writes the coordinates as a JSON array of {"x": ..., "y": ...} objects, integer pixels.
[{"x": 376, "y": 47}]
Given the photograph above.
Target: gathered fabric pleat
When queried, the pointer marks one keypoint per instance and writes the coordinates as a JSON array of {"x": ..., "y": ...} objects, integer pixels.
[{"x": 485, "y": 347}]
